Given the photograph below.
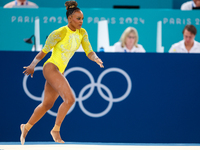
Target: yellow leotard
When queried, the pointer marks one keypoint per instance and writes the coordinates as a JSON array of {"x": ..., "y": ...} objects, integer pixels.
[{"x": 64, "y": 43}]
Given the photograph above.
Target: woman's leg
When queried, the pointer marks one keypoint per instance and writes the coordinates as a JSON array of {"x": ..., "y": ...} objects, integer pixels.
[
  {"x": 50, "y": 96},
  {"x": 61, "y": 85}
]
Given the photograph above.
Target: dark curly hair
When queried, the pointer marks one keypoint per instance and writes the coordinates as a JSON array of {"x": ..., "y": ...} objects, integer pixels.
[{"x": 71, "y": 7}]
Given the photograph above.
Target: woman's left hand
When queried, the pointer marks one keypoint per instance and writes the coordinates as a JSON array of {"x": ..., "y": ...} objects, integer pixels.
[{"x": 99, "y": 62}]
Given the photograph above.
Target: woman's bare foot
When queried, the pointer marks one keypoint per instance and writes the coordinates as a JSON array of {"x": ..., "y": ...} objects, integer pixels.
[
  {"x": 56, "y": 136},
  {"x": 23, "y": 133}
]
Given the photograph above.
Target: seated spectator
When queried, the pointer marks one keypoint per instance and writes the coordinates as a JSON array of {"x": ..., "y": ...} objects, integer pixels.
[
  {"x": 188, "y": 44},
  {"x": 190, "y": 5},
  {"x": 20, "y": 3},
  {"x": 128, "y": 42}
]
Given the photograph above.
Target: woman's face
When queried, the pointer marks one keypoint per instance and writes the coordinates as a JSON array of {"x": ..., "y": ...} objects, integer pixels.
[
  {"x": 76, "y": 20},
  {"x": 130, "y": 39}
]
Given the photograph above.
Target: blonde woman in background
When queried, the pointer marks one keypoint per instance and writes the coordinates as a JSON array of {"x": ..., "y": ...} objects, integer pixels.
[{"x": 129, "y": 42}]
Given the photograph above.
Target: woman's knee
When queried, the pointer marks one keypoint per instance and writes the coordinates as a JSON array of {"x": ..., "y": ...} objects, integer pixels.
[
  {"x": 70, "y": 100},
  {"x": 47, "y": 106}
]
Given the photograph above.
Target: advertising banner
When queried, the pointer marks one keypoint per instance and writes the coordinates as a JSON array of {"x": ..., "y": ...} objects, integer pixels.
[{"x": 19, "y": 24}]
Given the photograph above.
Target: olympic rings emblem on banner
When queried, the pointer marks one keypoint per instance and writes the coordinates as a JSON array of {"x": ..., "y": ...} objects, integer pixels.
[{"x": 91, "y": 86}]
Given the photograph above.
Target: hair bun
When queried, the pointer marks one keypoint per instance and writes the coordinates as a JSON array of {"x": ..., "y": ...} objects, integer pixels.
[{"x": 71, "y": 4}]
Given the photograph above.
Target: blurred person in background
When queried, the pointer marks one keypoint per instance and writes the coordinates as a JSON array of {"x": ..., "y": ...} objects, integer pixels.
[
  {"x": 20, "y": 3},
  {"x": 188, "y": 44},
  {"x": 129, "y": 42},
  {"x": 190, "y": 5}
]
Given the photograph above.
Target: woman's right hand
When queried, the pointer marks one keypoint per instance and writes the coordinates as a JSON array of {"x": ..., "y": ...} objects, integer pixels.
[{"x": 29, "y": 71}]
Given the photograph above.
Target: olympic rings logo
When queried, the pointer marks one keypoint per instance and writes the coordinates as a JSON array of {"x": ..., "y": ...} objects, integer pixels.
[{"x": 91, "y": 86}]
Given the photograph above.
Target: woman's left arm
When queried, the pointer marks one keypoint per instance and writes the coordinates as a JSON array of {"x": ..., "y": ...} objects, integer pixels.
[
  {"x": 88, "y": 49},
  {"x": 92, "y": 56}
]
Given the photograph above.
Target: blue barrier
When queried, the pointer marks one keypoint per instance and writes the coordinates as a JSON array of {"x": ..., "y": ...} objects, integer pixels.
[{"x": 136, "y": 98}]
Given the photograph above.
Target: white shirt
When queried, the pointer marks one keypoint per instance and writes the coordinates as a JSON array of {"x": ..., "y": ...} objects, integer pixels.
[
  {"x": 180, "y": 48},
  {"x": 17, "y": 3},
  {"x": 188, "y": 5},
  {"x": 117, "y": 48}
]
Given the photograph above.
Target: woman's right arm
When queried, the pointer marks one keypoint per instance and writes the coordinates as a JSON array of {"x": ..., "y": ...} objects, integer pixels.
[
  {"x": 51, "y": 41},
  {"x": 36, "y": 60}
]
